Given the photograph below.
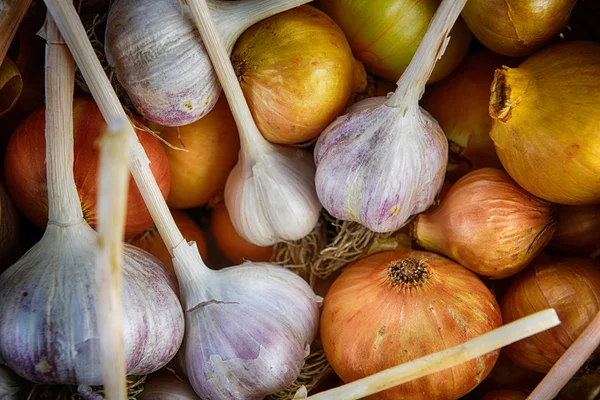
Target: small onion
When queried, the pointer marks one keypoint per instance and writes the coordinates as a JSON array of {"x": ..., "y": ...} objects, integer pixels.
[
  {"x": 569, "y": 285},
  {"x": 546, "y": 121},
  {"x": 212, "y": 143},
  {"x": 393, "y": 307},
  {"x": 296, "y": 70},
  {"x": 385, "y": 34},
  {"x": 578, "y": 231},
  {"x": 232, "y": 245},
  {"x": 25, "y": 169},
  {"x": 167, "y": 387},
  {"x": 488, "y": 224},
  {"x": 505, "y": 394}
]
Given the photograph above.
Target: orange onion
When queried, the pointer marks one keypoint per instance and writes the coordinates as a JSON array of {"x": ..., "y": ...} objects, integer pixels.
[
  {"x": 297, "y": 71},
  {"x": 385, "y": 34},
  {"x": 569, "y": 285},
  {"x": 505, "y": 394},
  {"x": 393, "y": 307},
  {"x": 212, "y": 143},
  {"x": 25, "y": 167},
  {"x": 578, "y": 231},
  {"x": 460, "y": 105},
  {"x": 488, "y": 224},
  {"x": 546, "y": 121},
  {"x": 232, "y": 245},
  {"x": 517, "y": 27},
  {"x": 151, "y": 241}
]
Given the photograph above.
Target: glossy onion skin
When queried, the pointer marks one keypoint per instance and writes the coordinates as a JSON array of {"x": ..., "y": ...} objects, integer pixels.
[
  {"x": 578, "y": 231},
  {"x": 569, "y": 285},
  {"x": 48, "y": 311},
  {"x": 517, "y": 27},
  {"x": 389, "y": 32},
  {"x": 368, "y": 325},
  {"x": 488, "y": 223},
  {"x": 25, "y": 167},
  {"x": 296, "y": 70},
  {"x": 546, "y": 122}
]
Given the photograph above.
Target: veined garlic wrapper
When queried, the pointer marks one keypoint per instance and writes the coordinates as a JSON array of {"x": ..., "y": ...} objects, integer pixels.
[
  {"x": 385, "y": 160},
  {"x": 160, "y": 60},
  {"x": 48, "y": 331}
]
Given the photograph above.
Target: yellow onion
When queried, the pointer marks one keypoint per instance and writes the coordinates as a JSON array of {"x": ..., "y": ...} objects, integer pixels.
[
  {"x": 297, "y": 71},
  {"x": 11, "y": 85},
  {"x": 393, "y": 307},
  {"x": 546, "y": 121},
  {"x": 385, "y": 34},
  {"x": 212, "y": 143},
  {"x": 488, "y": 224},
  {"x": 569, "y": 285},
  {"x": 578, "y": 231},
  {"x": 505, "y": 394},
  {"x": 460, "y": 105},
  {"x": 517, "y": 27}
]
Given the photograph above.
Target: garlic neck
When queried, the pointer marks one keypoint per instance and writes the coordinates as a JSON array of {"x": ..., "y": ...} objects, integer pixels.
[
  {"x": 234, "y": 17},
  {"x": 508, "y": 88},
  {"x": 64, "y": 206},
  {"x": 411, "y": 84},
  {"x": 192, "y": 274}
]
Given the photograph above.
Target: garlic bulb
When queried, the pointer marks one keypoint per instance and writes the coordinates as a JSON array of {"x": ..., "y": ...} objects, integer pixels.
[
  {"x": 48, "y": 319},
  {"x": 385, "y": 160},
  {"x": 160, "y": 60},
  {"x": 167, "y": 387}
]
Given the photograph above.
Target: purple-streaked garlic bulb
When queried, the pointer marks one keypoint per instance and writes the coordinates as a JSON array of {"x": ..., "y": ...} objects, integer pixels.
[{"x": 386, "y": 159}]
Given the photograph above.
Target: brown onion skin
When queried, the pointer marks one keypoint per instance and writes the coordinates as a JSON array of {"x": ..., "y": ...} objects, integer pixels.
[
  {"x": 368, "y": 324},
  {"x": 569, "y": 285},
  {"x": 505, "y": 394},
  {"x": 25, "y": 167},
  {"x": 578, "y": 231},
  {"x": 506, "y": 27},
  {"x": 488, "y": 224}
]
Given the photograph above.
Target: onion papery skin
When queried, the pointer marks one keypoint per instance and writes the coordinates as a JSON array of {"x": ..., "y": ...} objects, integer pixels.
[
  {"x": 506, "y": 27},
  {"x": 48, "y": 311},
  {"x": 11, "y": 85},
  {"x": 212, "y": 143},
  {"x": 385, "y": 34},
  {"x": 546, "y": 121},
  {"x": 369, "y": 324},
  {"x": 167, "y": 387},
  {"x": 505, "y": 394},
  {"x": 25, "y": 168},
  {"x": 232, "y": 245},
  {"x": 296, "y": 70},
  {"x": 151, "y": 241},
  {"x": 578, "y": 231},
  {"x": 488, "y": 224},
  {"x": 460, "y": 105},
  {"x": 569, "y": 285}
]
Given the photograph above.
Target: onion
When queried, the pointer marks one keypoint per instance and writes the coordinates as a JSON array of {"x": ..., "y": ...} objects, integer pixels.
[
  {"x": 151, "y": 241},
  {"x": 506, "y": 26},
  {"x": 569, "y": 285},
  {"x": 393, "y": 307},
  {"x": 212, "y": 145},
  {"x": 26, "y": 174},
  {"x": 578, "y": 231},
  {"x": 505, "y": 394},
  {"x": 11, "y": 85},
  {"x": 546, "y": 121},
  {"x": 167, "y": 387},
  {"x": 232, "y": 245},
  {"x": 460, "y": 105},
  {"x": 296, "y": 70},
  {"x": 10, "y": 229},
  {"x": 488, "y": 224},
  {"x": 385, "y": 34}
]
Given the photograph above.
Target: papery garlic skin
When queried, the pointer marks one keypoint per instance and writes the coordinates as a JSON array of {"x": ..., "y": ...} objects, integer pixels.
[
  {"x": 48, "y": 311},
  {"x": 379, "y": 167},
  {"x": 271, "y": 196}
]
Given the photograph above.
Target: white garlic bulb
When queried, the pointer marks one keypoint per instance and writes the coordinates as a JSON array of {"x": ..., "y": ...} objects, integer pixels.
[
  {"x": 160, "y": 60},
  {"x": 386, "y": 159},
  {"x": 271, "y": 195}
]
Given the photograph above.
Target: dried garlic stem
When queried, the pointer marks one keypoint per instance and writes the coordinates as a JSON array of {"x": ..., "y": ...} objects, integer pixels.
[
  {"x": 568, "y": 364},
  {"x": 11, "y": 15},
  {"x": 113, "y": 186},
  {"x": 493, "y": 340}
]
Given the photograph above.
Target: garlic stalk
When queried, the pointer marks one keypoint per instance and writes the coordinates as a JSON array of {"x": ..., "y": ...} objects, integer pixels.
[
  {"x": 385, "y": 160},
  {"x": 11, "y": 15},
  {"x": 160, "y": 60},
  {"x": 48, "y": 319},
  {"x": 248, "y": 328}
]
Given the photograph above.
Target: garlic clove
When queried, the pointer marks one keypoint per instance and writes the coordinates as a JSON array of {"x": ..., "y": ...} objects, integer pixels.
[{"x": 271, "y": 197}]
